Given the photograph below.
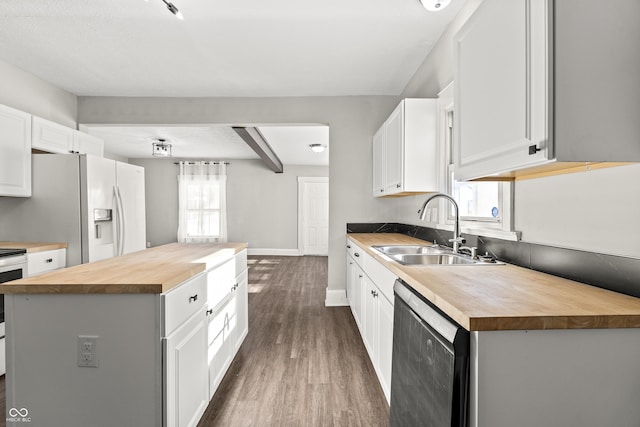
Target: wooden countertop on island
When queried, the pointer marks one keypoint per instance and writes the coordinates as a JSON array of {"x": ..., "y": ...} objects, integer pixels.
[
  {"x": 154, "y": 270},
  {"x": 33, "y": 246},
  {"x": 507, "y": 297}
]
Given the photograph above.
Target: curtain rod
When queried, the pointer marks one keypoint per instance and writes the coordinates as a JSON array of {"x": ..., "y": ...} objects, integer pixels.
[{"x": 206, "y": 163}]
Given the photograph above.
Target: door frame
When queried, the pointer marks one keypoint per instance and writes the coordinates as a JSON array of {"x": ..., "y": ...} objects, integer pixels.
[{"x": 301, "y": 181}]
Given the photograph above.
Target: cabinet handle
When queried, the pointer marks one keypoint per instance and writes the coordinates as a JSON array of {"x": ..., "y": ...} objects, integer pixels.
[
  {"x": 48, "y": 260},
  {"x": 356, "y": 254},
  {"x": 348, "y": 246},
  {"x": 360, "y": 276},
  {"x": 372, "y": 292},
  {"x": 210, "y": 312},
  {"x": 382, "y": 190},
  {"x": 193, "y": 298},
  {"x": 398, "y": 185},
  {"x": 533, "y": 149},
  {"x": 350, "y": 262},
  {"x": 375, "y": 294}
]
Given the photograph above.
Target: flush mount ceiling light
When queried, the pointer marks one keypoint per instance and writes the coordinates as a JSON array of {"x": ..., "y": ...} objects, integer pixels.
[
  {"x": 161, "y": 148},
  {"x": 435, "y": 5},
  {"x": 317, "y": 148},
  {"x": 173, "y": 9}
]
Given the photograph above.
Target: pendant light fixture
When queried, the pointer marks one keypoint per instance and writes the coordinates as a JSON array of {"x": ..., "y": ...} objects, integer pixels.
[
  {"x": 435, "y": 5},
  {"x": 160, "y": 148}
]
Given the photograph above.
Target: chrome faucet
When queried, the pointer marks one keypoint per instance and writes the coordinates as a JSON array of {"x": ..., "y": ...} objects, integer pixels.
[{"x": 457, "y": 237}]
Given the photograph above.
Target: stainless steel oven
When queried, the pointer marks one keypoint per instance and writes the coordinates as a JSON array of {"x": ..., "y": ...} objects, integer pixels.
[
  {"x": 13, "y": 266},
  {"x": 430, "y": 364}
]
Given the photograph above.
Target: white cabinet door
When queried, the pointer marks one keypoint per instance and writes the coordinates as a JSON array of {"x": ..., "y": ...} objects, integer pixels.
[
  {"x": 405, "y": 150},
  {"x": 185, "y": 373},
  {"x": 502, "y": 89},
  {"x": 355, "y": 283},
  {"x": 394, "y": 150},
  {"x": 385, "y": 343},
  {"x": 15, "y": 152},
  {"x": 52, "y": 137},
  {"x": 370, "y": 319},
  {"x": 222, "y": 324},
  {"x": 378, "y": 162},
  {"x": 242, "y": 309},
  {"x": 83, "y": 143}
]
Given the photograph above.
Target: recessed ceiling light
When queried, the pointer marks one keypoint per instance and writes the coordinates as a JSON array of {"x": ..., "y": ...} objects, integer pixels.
[
  {"x": 318, "y": 148},
  {"x": 435, "y": 5}
]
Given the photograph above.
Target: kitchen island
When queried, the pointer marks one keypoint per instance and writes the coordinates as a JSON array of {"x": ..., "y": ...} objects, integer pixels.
[
  {"x": 141, "y": 339},
  {"x": 545, "y": 351}
]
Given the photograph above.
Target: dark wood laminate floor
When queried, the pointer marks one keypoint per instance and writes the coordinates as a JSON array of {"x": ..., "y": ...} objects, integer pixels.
[{"x": 302, "y": 364}]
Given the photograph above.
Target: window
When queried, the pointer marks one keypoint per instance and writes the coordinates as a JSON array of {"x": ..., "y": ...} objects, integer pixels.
[
  {"x": 203, "y": 207},
  {"x": 202, "y": 202},
  {"x": 485, "y": 206}
]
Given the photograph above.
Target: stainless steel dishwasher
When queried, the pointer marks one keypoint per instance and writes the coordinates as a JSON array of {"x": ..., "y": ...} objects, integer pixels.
[{"x": 430, "y": 365}]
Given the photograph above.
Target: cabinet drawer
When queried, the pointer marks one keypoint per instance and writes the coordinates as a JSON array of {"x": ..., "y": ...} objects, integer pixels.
[
  {"x": 183, "y": 301},
  {"x": 241, "y": 261},
  {"x": 220, "y": 280},
  {"x": 381, "y": 276},
  {"x": 42, "y": 262},
  {"x": 355, "y": 252}
]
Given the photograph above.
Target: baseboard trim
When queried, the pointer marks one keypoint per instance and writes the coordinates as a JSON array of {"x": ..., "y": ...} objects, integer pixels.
[
  {"x": 273, "y": 252},
  {"x": 336, "y": 298}
]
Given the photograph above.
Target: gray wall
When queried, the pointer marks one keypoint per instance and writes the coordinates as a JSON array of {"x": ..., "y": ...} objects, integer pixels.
[
  {"x": 28, "y": 93},
  {"x": 352, "y": 121},
  {"x": 262, "y": 205},
  {"x": 594, "y": 211}
]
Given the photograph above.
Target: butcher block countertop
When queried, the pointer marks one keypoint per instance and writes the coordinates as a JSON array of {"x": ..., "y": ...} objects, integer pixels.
[
  {"x": 506, "y": 297},
  {"x": 154, "y": 270},
  {"x": 33, "y": 246}
]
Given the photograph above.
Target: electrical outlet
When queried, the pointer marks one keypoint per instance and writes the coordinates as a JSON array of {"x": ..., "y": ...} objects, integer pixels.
[{"x": 87, "y": 347}]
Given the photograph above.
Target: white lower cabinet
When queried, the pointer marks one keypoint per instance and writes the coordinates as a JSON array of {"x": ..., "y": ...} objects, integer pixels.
[
  {"x": 45, "y": 261},
  {"x": 206, "y": 321},
  {"x": 370, "y": 295},
  {"x": 355, "y": 284},
  {"x": 227, "y": 317},
  {"x": 186, "y": 361}
]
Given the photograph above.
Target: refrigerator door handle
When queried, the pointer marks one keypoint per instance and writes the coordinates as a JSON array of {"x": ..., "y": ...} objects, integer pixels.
[
  {"x": 123, "y": 228},
  {"x": 117, "y": 221}
]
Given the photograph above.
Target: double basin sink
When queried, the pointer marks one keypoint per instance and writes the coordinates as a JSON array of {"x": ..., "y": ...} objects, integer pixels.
[{"x": 429, "y": 255}]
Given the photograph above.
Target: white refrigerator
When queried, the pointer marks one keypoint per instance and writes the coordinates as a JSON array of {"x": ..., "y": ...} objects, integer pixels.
[{"x": 95, "y": 205}]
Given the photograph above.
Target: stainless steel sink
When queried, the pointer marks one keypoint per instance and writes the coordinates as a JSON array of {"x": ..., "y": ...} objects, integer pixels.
[
  {"x": 428, "y": 255},
  {"x": 411, "y": 249},
  {"x": 433, "y": 259}
]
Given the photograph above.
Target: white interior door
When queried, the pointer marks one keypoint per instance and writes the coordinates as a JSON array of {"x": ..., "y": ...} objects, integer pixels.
[{"x": 313, "y": 216}]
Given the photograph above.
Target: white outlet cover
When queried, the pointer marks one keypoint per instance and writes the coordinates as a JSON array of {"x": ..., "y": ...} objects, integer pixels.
[{"x": 87, "y": 351}]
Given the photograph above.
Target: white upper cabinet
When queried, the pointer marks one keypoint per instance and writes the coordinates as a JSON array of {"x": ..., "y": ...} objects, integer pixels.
[
  {"x": 516, "y": 108},
  {"x": 15, "y": 152},
  {"x": 51, "y": 137},
  {"x": 405, "y": 150},
  {"x": 83, "y": 143},
  {"x": 55, "y": 138},
  {"x": 378, "y": 163}
]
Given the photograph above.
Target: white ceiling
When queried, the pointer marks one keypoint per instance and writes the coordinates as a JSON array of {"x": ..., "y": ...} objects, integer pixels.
[
  {"x": 290, "y": 143},
  {"x": 222, "y": 48}
]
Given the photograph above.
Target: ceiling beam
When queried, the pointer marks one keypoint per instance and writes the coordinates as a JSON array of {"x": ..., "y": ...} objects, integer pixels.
[{"x": 259, "y": 144}]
